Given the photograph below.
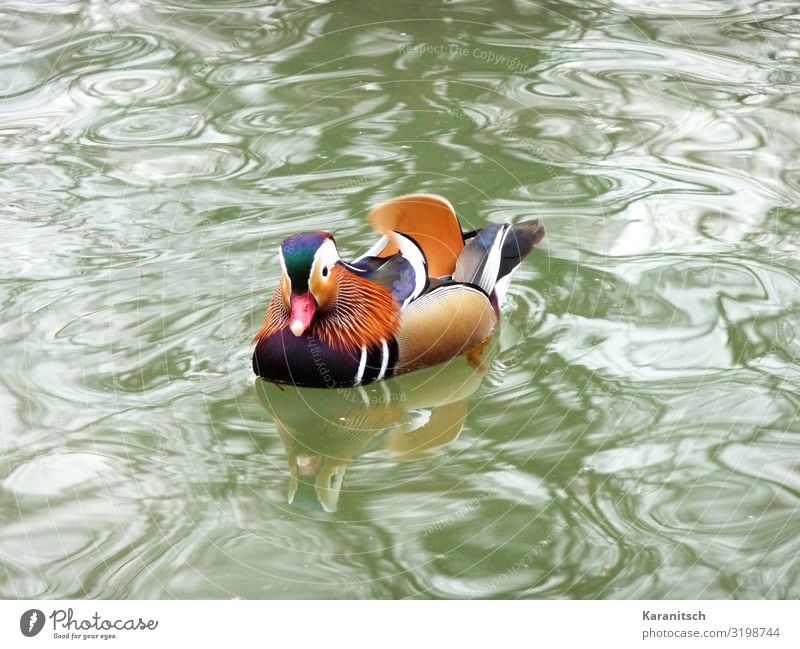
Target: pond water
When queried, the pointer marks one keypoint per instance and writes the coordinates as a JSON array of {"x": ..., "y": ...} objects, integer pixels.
[{"x": 633, "y": 430}]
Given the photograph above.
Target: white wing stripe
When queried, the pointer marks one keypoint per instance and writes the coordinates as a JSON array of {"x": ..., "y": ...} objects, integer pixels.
[
  {"x": 362, "y": 364},
  {"x": 492, "y": 266},
  {"x": 384, "y": 359},
  {"x": 412, "y": 252},
  {"x": 377, "y": 248}
]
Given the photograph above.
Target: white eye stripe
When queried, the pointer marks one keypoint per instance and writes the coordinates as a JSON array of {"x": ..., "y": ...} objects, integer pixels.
[
  {"x": 283, "y": 266},
  {"x": 325, "y": 257}
]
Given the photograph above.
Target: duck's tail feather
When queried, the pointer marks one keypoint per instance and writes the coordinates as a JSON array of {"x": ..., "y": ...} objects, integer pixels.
[{"x": 491, "y": 256}]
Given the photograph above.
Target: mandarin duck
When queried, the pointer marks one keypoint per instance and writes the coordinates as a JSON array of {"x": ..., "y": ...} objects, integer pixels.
[{"x": 424, "y": 293}]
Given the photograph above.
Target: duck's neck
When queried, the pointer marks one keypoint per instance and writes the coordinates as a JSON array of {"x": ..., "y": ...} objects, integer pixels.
[{"x": 362, "y": 314}]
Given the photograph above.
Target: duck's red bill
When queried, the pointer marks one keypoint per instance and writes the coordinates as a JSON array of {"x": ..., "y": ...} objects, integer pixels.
[{"x": 303, "y": 307}]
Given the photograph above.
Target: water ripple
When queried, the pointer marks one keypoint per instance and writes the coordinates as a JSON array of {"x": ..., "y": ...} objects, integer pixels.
[
  {"x": 135, "y": 87},
  {"x": 153, "y": 125},
  {"x": 633, "y": 432}
]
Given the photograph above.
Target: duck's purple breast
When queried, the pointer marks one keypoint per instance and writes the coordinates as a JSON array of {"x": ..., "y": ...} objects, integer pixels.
[{"x": 307, "y": 361}]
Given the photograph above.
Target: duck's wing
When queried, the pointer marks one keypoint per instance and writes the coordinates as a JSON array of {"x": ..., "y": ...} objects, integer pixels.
[
  {"x": 493, "y": 254},
  {"x": 429, "y": 221},
  {"x": 405, "y": 277},
  {"x": 444, "y": 322},
  {"x": 456, "y": 316}
]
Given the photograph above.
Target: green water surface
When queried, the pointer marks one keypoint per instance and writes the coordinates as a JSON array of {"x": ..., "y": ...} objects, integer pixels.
[{"x": 632, "y": 431}]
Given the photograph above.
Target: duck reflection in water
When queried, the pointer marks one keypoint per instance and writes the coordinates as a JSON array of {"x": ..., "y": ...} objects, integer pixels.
[{"x": 408, "y": 416}]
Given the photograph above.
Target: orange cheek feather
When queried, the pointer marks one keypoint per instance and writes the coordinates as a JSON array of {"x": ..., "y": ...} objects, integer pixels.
[{"x": 286, "y": 290}]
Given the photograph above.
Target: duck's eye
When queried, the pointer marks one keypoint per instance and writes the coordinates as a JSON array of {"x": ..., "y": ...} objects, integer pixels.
[{"x": 324, "y": 271}]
